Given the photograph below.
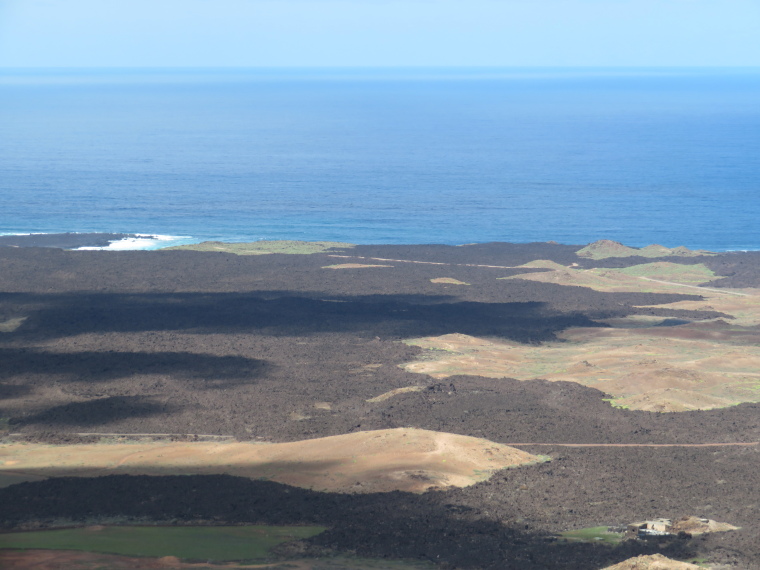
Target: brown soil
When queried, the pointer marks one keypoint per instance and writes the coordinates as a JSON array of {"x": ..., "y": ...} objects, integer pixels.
[
  {"x": 361, "y": 462},
  {"x": 652, "y": 562},
  {"x": 72, "y": 560},
  {"x": 696, "y": 525}
]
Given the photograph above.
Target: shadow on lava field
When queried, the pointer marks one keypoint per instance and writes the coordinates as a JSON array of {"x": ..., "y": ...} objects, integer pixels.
[{"x": 274, "y": 348}]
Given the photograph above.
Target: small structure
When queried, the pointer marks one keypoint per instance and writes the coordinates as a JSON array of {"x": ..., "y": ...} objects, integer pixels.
[
  {"x": 654, "y": 527},
  {"x": 666, "y": 527}
]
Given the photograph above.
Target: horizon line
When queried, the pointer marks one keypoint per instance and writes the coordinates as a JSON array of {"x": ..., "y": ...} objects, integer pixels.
[{"x": 374, "y": 67}]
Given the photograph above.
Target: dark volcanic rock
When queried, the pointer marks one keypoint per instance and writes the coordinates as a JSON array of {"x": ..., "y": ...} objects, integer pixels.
[
  {"x": 740, "y": 269},
  {"x": 436, "y": 526},
  {"x": 62, "y": 241},
  {"x": 204, "y": 343}
]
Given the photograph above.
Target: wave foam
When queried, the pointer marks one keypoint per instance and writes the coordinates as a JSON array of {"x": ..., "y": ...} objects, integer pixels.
[{"x": 141, "y": 242}]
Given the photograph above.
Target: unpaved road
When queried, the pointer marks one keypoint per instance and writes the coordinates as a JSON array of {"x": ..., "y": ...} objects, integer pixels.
[
  {"x": 232, "y": 437},
  {"x": 740, "y": 444}
]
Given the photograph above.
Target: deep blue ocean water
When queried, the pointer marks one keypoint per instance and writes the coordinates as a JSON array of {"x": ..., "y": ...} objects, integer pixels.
[{"x": 390, "y": 156}]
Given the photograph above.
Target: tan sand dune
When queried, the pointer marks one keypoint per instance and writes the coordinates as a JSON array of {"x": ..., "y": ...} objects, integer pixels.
[
  {"x": 362, "y": 462},
  {"x": 695, "y": 525},
  {"x": 653, "y": 562},
  {"x": 672, "y": 400},
  {"x": 645, "y": 366},
  {"x": 656, "y": 369}
]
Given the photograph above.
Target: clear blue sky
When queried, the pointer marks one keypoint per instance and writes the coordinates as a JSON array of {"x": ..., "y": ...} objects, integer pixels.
[{"x": 161, "y": 33}]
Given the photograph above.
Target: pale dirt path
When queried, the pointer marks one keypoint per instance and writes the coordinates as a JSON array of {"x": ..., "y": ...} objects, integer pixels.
[
  {"x": 424, "y": 262},
  {"x": 732, "y": 444},
  {"x": 698, "y": 287}
]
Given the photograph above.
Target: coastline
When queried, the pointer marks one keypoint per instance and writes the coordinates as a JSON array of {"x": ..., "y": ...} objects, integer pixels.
[
  {"x": 294, "y": 348},
  {"x": 112, "y": 241},
  {"x": 85, "y": 241}
]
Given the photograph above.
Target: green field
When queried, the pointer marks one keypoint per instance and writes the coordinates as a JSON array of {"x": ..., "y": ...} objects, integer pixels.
[
  {"x": 218, "y": 543},
  {"x": 690, "y": 274},
  {"x": 264, "y": 247},
  {"x": 593, "y": 534}
]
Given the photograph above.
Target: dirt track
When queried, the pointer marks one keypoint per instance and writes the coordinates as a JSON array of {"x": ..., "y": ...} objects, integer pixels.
[
  {"x": 275, "y": 348},
  {"x": 737, "y": 444}
]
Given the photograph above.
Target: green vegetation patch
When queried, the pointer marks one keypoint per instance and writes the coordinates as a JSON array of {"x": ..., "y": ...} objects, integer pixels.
[
  {"x": 615, "y": 404},
  {"x": 219, "y": 543},
  {"x": 605, "y": 248},
  {"x": 593, "y": 534},
  {"x": 265, "y": 247},
  {"x": 539, "y": 459},
  {"x": 666, "y": 271},
  {"x": 354, "y": 563},
  {"x": 698, "y": 561}
]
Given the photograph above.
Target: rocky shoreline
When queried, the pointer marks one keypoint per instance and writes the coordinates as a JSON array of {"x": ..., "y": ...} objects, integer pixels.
[{"x": 68, "y": 240}]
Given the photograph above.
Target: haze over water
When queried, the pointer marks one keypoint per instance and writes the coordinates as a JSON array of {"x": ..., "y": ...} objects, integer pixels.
[{"x": 390, "y": 156}]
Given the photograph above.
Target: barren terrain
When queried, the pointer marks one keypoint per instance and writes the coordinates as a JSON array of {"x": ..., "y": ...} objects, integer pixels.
[
  {"x": 207, "y": 358},
  {"x": 360, "y": 462}
]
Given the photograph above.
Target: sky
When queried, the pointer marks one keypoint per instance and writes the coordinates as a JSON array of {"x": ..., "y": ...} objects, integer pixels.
[{"x": 378, "y": 33}]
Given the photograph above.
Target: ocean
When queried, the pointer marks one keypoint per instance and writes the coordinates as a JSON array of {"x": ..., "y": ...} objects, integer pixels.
[{"x": 669, "y": 156}]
